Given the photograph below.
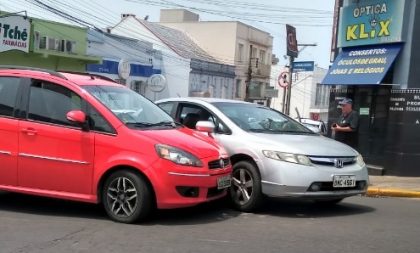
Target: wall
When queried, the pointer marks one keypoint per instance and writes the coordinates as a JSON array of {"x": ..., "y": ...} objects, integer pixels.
[{"x": 414, "y": 77}]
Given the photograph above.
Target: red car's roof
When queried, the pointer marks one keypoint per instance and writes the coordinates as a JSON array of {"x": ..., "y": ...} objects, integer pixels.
[
  {"x": 81, "y": 79},
  {"x": 87, "y": 79}
]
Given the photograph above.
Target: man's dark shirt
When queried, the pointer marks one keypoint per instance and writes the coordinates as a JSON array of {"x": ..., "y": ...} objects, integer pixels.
[{"x": 350, "y": 120}]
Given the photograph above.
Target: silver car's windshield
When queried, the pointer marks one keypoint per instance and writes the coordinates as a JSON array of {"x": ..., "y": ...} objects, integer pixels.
[
  {"x": 257, "y": 118},
  {"x": 130, "y": 107}
]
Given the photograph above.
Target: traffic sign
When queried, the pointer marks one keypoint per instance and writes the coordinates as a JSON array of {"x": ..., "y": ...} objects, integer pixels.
[{"x": 283, "y": 79}]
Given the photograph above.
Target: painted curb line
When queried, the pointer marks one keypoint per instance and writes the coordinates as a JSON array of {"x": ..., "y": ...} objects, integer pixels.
[{"x": 392, "y": 192}]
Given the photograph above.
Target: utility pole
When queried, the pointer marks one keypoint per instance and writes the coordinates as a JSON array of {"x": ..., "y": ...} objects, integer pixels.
[
  {"x": 249, "y": 75},
  {"x": 289, "y": 85}
]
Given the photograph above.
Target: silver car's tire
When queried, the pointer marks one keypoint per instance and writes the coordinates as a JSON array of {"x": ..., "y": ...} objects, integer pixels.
[
  {"x": 126, "y": 197},
  {"x": 245, "y": 191}
]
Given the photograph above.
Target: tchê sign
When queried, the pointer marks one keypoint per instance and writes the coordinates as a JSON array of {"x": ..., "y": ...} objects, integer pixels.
[
  {"x": 14, "y": 33},
  {"x": 371, "y": 22}
]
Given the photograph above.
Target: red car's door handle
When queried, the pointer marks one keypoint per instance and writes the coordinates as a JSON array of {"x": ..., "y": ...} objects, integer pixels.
[{"x": 29, "y": 131}]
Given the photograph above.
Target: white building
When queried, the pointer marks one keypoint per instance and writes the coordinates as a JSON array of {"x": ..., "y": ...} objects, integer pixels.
[
  {"x": 128, "y": 61},
  {"x": 188, "y": 69},
  {"x": 233, "y": 43},
  {"x": 309, "y": 97}
]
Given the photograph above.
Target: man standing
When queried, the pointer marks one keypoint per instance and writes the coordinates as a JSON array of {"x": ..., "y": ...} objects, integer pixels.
[{"x": 345, "y": 130}]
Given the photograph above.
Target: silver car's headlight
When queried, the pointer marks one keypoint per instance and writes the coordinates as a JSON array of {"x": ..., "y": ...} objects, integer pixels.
[
  {"x": 288, "y": 157},
  {"x": 359, "y": 161},
  {"x": 178, "y": 156}
]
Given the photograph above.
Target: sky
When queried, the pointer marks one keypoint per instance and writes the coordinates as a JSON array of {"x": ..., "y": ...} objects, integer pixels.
[{"x": 312, "y": 18}]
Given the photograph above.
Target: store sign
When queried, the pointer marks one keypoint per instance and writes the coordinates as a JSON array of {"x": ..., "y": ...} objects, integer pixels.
[
  {"x": 362, "y": 65},
  {"x": 156, "y": 83},
  {"x": 371, "y": 22},
  {"x": 124, "y": 69},
  {"x": 302, "y": 66},
  {"x": 14, "y": 33},
  {"x": 292, "y": 46}
]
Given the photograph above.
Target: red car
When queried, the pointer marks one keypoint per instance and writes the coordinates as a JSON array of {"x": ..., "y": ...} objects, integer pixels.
[{"x": 86, "y": 138}]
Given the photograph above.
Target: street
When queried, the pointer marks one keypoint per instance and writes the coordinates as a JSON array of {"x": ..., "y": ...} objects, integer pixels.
[{"x": 358, "y": 224}]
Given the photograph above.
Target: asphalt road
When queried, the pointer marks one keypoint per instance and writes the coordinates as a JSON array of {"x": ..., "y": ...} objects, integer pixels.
[{"x": 359, "y": 224}]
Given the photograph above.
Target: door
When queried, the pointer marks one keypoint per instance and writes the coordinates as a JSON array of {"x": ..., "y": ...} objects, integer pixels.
[
  {"x": 372, "y": 103},
  {"x": 54, "y": 153},
  {"x": 9, "y": 90}
]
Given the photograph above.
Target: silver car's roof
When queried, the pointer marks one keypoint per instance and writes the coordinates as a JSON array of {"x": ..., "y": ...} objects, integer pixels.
[{"x": 201, "y": 99}]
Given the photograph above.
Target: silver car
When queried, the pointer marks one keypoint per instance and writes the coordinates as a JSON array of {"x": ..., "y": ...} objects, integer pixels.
[{"x": 272, "y": 154}]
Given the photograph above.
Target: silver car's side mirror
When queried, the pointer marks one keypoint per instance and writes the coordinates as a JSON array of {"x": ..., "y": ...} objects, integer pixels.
[{"x": 205, "y": 126}]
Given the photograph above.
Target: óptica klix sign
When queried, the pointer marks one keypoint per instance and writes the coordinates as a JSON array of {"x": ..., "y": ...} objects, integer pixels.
[{"x": 371, "y": 22}]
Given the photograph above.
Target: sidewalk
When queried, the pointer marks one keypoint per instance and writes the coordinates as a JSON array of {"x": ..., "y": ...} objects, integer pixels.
[{"x": 393, "y": 186}]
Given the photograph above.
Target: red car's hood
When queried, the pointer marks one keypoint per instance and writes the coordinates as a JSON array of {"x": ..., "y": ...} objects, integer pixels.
[{"x": 194, "y": 142}]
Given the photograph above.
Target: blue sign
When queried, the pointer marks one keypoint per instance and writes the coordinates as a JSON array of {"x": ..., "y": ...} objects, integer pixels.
[
  {"x": 362, "y": 65},
  {"x": 303, "y": 66},
  {"x": 111, "y": 67},
  {"x": 371, "y": 22}
]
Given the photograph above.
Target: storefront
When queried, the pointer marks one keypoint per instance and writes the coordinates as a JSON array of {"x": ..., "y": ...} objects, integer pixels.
[
  {"x": 127, "y": 61},
  {"x": 40, "y": 43},
  {"x": 376, "y": 67}
]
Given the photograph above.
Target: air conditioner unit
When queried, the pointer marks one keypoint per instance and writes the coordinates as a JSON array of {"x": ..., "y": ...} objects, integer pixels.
[
  {"x": 51, "y": 45},
  {"x": 71, "y": 46}
]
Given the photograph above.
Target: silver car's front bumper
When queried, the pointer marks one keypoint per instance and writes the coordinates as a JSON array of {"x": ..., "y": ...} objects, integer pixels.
[{"x": 282, "y": 179}]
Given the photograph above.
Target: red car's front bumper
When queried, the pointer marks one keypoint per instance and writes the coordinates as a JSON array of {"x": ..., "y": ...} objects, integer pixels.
[{"x": 178, "y": 186}]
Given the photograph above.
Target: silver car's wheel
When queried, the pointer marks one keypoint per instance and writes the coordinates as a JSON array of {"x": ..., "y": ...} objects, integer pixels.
[
  {"x": 245, "y": 192},
  {"x": 126, "y": 197},
  {"x": 242, "y": 185}
]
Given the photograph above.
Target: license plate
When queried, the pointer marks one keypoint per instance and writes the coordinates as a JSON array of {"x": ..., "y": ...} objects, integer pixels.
[
  {"x": 223, "y": 182},
  {"x": 344, "y": 181}
]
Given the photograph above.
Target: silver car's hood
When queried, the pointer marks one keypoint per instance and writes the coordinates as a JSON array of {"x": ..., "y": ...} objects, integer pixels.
[{"x": 312, "y": 145}]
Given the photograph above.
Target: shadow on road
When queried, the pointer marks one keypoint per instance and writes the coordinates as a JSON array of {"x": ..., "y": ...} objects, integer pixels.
[
  {"x": 308, "y": 209},
  {"x": 212, "y": 212},
  {"x": 49, "y": 207},
  {"x": 33, "y": 205}
]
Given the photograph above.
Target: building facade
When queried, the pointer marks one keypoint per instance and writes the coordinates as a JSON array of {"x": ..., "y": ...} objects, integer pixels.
[
  {"x": 377, "y": 66},
  {"x": 131, "y": 62},
  {"x": 188, "y": 69},
  {"x": 43, "y": 44},
  {"x": 247, "y": 48}
]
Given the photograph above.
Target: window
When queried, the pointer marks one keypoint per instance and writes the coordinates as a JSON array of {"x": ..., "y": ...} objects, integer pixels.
[
  {"x": 238, "y": 88},
  {"x": 262, "y": 57},
  {"x": 167, "y": 107},
  {"x": 254, "y": 52},
  {"x": 8, "y": 93},
  {"x": 191, "y": 114},
  {"x": 98, "y": 123},
  {"x": 260, "y": 119},
  {"x": 321, "y": 95},
  {"x": 240, "y": 52},
  {"x": 50, "y": 103}
]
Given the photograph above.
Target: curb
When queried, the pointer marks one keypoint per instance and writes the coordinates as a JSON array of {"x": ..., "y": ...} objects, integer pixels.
[{"x": 392, "y": 192}]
